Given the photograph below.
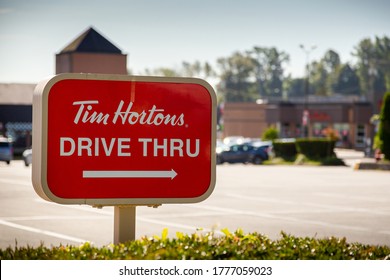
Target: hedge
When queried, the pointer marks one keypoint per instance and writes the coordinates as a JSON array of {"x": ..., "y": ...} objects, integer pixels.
[
  {"x": 384, "y": 126},
  {"x": 210, "y": 246},
  {"x": 316, "y": 148},
  {"x": 312, "y": 149},
  {"x": 285, "y": 149}
]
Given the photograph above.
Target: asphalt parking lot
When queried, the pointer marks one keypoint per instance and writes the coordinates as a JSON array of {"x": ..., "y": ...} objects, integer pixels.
[{"x": 303, "y": 201}]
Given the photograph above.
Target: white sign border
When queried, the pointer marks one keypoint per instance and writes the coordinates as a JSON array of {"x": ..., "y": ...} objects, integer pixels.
[{"x": 40, "y": 140}]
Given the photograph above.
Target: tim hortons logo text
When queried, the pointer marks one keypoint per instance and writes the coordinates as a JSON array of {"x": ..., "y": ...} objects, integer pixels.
[
  {"x": 121, "y": 146},
  {"x": 153, "y": 116}
]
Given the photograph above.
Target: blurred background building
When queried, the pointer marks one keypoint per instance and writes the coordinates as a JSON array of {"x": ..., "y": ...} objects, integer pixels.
[{"x": 90, "y": 52}]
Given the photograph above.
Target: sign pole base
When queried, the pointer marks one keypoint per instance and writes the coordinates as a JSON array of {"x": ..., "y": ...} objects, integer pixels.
[{"x": 124, "y": 223}]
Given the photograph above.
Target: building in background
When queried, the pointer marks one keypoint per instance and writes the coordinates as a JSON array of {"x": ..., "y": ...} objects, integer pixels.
[
  {"x": 88, "y": 53},
  {"x": 16, "y": 114},
  {"x": 91, "y": 53},
  {"x": 348, "y": 118}
]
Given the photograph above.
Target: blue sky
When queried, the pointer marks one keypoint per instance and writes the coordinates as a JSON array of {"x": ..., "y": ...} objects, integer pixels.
[{"x": 166, "y": 33}]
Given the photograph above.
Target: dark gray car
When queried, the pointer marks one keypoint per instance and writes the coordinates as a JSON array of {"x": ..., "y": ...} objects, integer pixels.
[{"x": 243, "y": 153}]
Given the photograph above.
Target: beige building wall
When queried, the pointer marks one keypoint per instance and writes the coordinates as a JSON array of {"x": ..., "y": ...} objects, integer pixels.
[
  {"x": 251, "y": 120},
  {"x": 100, "y": 63},
  {"x": 244, "y": 119}
]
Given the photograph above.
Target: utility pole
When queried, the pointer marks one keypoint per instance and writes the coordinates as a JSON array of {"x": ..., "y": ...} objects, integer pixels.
[{"x": 305, "y": 114}]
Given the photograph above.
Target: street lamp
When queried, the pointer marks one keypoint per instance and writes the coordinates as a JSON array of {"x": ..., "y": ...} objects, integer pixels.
[{"x": 306, "y": 115}]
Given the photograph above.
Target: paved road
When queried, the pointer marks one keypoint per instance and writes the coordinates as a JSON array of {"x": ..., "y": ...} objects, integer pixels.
[{"x": 304, "y": 201}]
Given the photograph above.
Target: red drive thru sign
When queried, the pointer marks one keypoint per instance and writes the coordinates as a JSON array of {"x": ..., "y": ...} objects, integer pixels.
[{"x": 123, "y": 140}]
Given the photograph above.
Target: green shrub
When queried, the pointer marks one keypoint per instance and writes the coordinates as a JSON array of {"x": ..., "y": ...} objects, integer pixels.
[
  {"x": 210, "y": 246},
  {"x": 316, "y": 148},
  {"x": 306, "y": 152},
  {"x": 270, "y": 134},
  {"x": 285, "y": 149}
]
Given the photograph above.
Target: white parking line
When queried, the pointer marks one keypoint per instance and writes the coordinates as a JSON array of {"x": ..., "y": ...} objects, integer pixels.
[
  {"x": 168, "y": 224},
  {"x": 161, "y": 219},
  {"x": 331, "y": 208},
  {"x": 51, "y": 218},
  {"x": 158, "y": 221},
  {"x": 220, "y": 211},
  {"x": 276, "y": 217},
  {"x": 84, "y": 208},
  {"x": 43, "y": 232},
  {"x": 16, "y": 182},
  {"x": 353, "y": 197}
]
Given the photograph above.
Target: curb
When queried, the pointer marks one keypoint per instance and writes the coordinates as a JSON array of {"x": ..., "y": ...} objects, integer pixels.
[{"x": 372, "y": 166}]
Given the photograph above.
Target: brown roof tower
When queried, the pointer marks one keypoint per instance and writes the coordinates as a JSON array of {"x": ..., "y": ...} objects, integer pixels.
[{"x": 90, "y": 52}]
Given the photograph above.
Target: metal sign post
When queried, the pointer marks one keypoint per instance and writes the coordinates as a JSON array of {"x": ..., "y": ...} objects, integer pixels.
[{"x": 124, "y": 223}]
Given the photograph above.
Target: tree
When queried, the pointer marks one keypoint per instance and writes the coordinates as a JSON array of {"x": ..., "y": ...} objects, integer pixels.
[
  {"x": 197, "y": 69},
  {"x": 383, "y": 58},
  {"x": 163, "y": 71},
  {"x": 269, "y": 70},
  {"x": 319, "y": 76},
  {"x": 253, "y": 74},
  {"x": 384, "y": 126},
  {"x": 346, "y": 81},
  {"x": 235, "y": 78},
  {"x": 331, "y": 61},
  {"x": 373, "y": 66},
  {"x": 294, "y": 87},
  {"x": 324, "y": 74},
  {"x": 364, "y": 52}
]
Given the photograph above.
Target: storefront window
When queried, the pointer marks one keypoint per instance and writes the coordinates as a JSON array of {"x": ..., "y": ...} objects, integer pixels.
[
  {"x": 290, "y": 130},
  {"x": 20, "y": 134},
  {"x": 318, "y": 129},
  {"x": 285, "y": 130},
  {"x": 360, "y": 135},
  {"x": 298, "y": 130},
  {"x": 343, "y": 134}
]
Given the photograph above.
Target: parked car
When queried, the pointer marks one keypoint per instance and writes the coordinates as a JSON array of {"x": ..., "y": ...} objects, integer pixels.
[
  {"x": 221, "y": 146},
  {"x": 266, "y": 146},
  {"x": 243, "y": 153},
  {"x": 6, "y": 150},
  {"x": 27, "y": 157},
  {"x": 233, "y": 140}
]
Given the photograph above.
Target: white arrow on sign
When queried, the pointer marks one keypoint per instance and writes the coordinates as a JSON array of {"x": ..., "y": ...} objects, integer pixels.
[{"x": 129, "y": 174}]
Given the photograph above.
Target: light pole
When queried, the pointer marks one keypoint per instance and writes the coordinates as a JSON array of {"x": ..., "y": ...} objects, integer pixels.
[{"x": 305, "y": 114}]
